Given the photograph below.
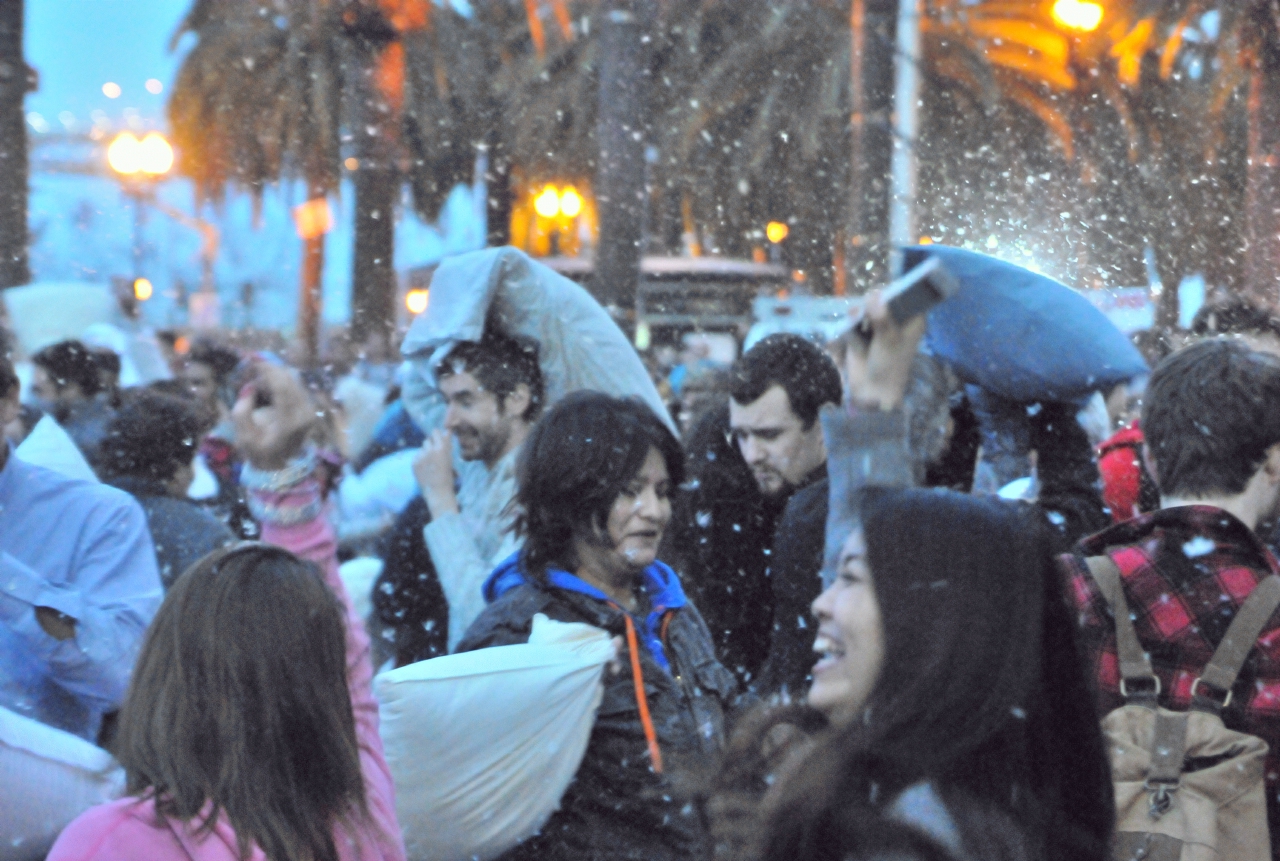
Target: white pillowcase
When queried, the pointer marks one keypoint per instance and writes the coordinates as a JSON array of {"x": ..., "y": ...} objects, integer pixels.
[{"x": 482, "y": 745}]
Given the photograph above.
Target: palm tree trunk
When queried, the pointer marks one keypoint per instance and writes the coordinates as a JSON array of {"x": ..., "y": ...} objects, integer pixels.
[
  {"x": 14, "y": 269},
  {"x": 309, "y": 303},
  {"x": 377, "y": 181},
  {"x": 621, "y": 133},
  {"x": 373, "y": 281},
  {"x": 499, "y": 196},
  {"x": 1262, "y": 195}
]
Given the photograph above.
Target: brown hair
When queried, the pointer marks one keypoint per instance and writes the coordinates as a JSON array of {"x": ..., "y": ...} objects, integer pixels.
[{"x": 239, "y": 700}]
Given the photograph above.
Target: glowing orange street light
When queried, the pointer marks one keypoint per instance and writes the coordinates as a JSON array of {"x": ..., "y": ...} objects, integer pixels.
[
  {"x": 142, "y": 289},
  {"x": 313, "y": 218},
  {"x": 570, "y": 202},
  {"x": 1082, "y": 16},
  {"x": 416, "y": 301},
  {"x": 129, "y": 156},
  {"x": 124, "y": 154},
  {"x": 547, "y": 204},
  {"x": 776, "y": 231}
]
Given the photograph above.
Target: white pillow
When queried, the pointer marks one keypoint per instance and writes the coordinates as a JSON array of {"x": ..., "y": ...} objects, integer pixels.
[
  {"x": 47, "y": 778},
  {"x": 482, "y": 745}
]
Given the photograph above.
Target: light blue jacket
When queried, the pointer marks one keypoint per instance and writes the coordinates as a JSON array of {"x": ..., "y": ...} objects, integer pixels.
[{"x": 82, "y": 549}]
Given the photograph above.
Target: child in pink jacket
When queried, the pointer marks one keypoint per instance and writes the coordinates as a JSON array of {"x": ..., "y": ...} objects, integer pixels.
[{"x": 249, "y": 590}]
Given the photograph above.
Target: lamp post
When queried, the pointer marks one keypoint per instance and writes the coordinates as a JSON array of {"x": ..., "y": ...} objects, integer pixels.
[
  {"x": 139, "y": 163},
  {"x": 1078, "y": 21}
]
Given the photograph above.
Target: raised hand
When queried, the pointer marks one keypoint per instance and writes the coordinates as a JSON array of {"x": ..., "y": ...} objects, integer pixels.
[
  {"x": 879, "y": 356},
  {"x": 273, "y": 416}
]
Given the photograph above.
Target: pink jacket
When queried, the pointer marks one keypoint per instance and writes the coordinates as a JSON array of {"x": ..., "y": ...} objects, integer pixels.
[{"x": 130, "y": 829}]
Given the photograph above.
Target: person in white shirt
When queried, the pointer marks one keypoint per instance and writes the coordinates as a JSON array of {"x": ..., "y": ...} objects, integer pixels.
[{"x": 494, "y": 392}]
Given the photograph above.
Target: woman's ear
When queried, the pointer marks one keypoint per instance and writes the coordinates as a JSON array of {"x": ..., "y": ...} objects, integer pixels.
[
  {"x": 1150, "y": 463},
  {"x": 1271, "y": 466}
]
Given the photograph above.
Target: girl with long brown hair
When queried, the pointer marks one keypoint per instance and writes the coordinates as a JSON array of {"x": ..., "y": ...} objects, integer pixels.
[{"x": 250, "y": 730}]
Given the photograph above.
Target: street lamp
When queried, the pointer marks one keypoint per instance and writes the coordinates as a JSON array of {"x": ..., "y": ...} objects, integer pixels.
[
  {"x": 139, "y": 163},
  {"x": 416, "y": 301},
  {"x": 1081, "y": 16}
]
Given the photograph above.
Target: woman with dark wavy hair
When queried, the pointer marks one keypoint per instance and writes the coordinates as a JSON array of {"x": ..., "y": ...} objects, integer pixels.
[
  {"x": 949, "y": 714},
  {"x": 249, "y": 729},
  {"x": 595, "y": 479}
]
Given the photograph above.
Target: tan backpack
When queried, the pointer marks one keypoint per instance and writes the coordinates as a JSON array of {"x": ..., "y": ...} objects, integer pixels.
[{"x": 1187, "y": 788}]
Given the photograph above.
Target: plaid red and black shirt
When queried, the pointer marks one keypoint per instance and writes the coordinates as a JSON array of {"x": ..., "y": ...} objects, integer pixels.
[{"x": 1186, "y": 571}]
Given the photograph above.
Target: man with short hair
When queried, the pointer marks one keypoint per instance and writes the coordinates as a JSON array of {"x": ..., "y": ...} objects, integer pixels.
[
  {"x": 149, "y": 454},
  {"x": 776, "y": 391},
  {"x": 493, "y": 391},
  {"x": 1212, "y": 425},
  {"x": 78, "y": 587},
  {"x": 722, "y": 530},
  {"x": 67, "y": 384}
]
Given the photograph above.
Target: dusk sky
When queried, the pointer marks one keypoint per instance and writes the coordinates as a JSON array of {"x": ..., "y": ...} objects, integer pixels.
[{"x": 77, "y": 46}]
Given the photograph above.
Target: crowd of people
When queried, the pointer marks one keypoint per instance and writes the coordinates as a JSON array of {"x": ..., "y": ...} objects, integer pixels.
[{"x": 828, "y": 644}]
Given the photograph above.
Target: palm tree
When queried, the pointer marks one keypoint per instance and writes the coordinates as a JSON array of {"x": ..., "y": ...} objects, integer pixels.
[
  {"x": 15, "y": 81},
  {"x": 258, "y": 101},
  {"x": 523, "y": 81}
]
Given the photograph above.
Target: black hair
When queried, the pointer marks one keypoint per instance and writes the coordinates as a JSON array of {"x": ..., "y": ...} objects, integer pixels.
[
  {"x": 152, "y": 436},
  {"x": 106, "y": 359},
  {"x": 499, "y": 362},
  {"x": 1210, "y": 413},
  {"x": 982, "y": 692},
  {"x": 575, "y": 463},
  {"x": 805, "y": 372},
  {"x": 1234, "y": 316},
  {"x": 70, "y": 362},
  {"x": 222, "y": 360},
  {"x": 8, "y": 376}
]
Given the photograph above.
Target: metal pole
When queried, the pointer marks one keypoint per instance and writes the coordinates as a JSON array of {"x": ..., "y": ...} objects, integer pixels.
[
  {"x": 137, "y": 234},
  {"x": 857, "y": 236},
  {"x": 906, "y": 111}
]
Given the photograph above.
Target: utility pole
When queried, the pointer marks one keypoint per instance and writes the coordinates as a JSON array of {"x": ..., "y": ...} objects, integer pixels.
[
  {"x": 871, "y": 90},
  {"x": 16, "y": 79},
  {"x": 906, "y": 130},
  {"x": 1262, "y": 196},
  {"x": 621, "y": 133}
]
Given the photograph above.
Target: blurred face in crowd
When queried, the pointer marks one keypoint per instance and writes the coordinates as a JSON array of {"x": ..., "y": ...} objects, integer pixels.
[
  {"x": 11, "y": 418},
  {"x": 203, "y": 383},
  {"x": 850, "y": 641},
  {"x": 49, "y": 394},
  {"x": 641, "y": 513},
  {"x": 633, "y": 531},
  {"x": 775, "y": 443},
  {"x": 482, "y": 425}
]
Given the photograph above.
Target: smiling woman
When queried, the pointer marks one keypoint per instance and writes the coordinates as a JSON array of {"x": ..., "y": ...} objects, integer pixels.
[
  {"x": 950, "y": 683},
  {"x": 595, "y": 480}
]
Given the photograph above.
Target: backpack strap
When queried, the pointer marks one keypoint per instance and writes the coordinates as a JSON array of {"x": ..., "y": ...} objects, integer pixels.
[
  {"x": 1135, "y": 666},
  {"x": 1228, "y": 659}
]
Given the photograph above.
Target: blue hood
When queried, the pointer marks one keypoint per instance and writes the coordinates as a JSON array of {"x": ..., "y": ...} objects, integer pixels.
[{"x": 664, "y": 587}]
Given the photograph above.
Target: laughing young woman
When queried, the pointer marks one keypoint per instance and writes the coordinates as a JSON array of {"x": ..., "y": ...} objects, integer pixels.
[
  {"x": 949, "y": 716},
  {"x": 595, "y": 479}
]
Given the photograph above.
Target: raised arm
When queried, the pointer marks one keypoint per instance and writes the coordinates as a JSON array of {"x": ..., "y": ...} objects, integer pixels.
[{"x": 273, "y": 417}]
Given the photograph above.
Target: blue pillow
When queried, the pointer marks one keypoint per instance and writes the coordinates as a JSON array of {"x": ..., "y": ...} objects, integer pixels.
[{"x": 1023, "y": 335}]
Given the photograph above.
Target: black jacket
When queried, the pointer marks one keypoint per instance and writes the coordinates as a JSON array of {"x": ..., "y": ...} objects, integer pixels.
[
  {"x": 796, "y": 578},
  {"x": 617, "y": 807},
  {"x": 1069, "y": 500},
  {"x": 182, "y": 531},
  {"x": 408, "y": 600},
  {"x": 719, "y": 542}
]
